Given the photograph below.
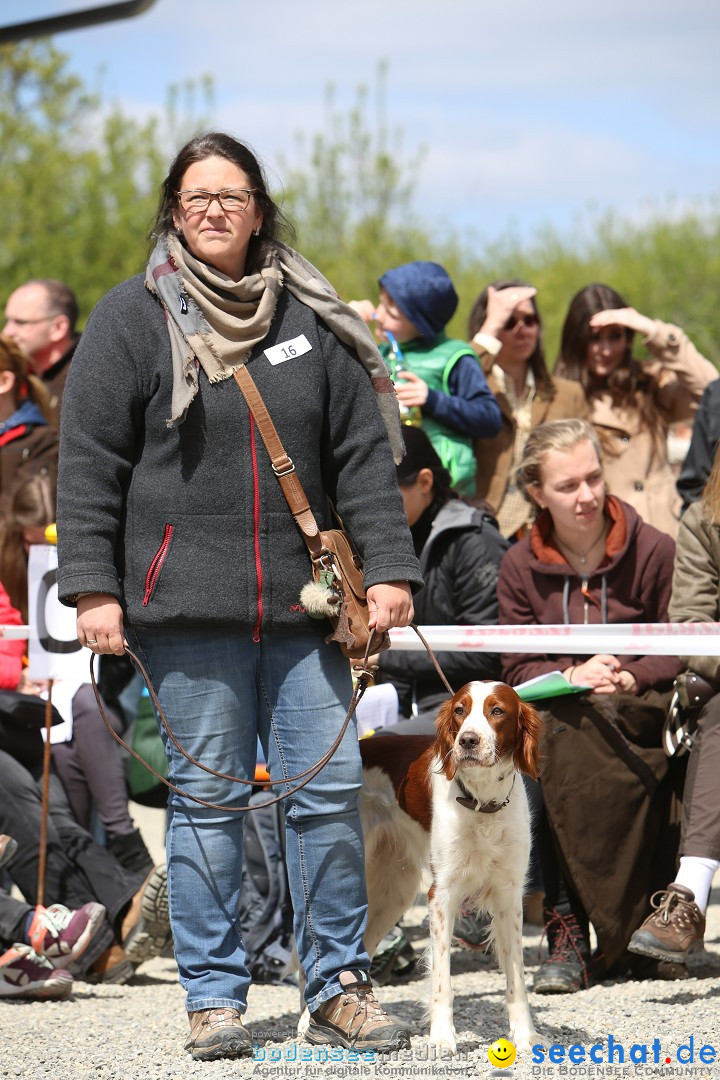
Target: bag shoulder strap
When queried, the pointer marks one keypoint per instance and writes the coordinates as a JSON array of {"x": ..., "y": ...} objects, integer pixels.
[{"x": 282, "y": 464}]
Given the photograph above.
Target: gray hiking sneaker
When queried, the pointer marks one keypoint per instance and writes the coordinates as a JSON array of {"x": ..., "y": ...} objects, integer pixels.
[
  {"x": 218, "y": 1033},
  {"x": 146, "y": 928},
  {"x": 675, "y": 928},
  {"x": 356, "y": 1020}
]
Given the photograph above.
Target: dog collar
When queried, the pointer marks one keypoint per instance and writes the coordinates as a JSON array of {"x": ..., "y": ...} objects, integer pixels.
[{"x": 468, "y": 800}]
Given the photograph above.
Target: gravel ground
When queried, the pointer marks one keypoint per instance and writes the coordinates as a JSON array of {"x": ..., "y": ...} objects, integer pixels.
[{"x": 137, "y": 1031}]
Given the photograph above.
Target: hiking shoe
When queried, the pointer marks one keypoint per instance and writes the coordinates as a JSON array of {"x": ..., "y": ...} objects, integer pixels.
[
  {"x": 674, "y": 929},
  {"x": 8, "y": 847},
  {"x": 25, "y": 974},
  {"x": 146, "y": 926},
  {"x": 565, "y": 971},
  {"x": 471, "y": 930},
  {"x": 356, "y": 1020},
  {"x": 62, "y": 935},
  {"x": 218, "y": 1033},
  {"x": 394, "y": 957},
  {"x": 111, "y": 966}
]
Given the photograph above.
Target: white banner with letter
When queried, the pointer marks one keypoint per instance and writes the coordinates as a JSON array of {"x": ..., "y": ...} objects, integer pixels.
[{"x": 54, "y": 650}]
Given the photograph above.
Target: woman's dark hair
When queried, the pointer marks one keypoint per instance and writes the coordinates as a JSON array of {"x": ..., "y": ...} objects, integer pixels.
[
  {"x": 420, "y": 454},
  {"x": 33, "y": 504},
  {"x": 543, "y": 382},
  {"x": 630, "y": 385},
  {"x": 219, "y": 144}
]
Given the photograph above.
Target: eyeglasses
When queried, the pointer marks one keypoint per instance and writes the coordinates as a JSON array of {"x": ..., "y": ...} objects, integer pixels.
[
  {"x": 526, "y": 320},
  {"x": 230, "y": 199},
  {"x": 29, "y": 322}
]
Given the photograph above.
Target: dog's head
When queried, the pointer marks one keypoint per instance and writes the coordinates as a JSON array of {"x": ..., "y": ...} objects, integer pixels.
[{"x": 482, "y": 723}]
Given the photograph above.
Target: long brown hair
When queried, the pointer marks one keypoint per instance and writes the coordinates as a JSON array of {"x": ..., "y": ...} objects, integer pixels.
[
  {"x": 27, "y": 386},
  {"x": 631, "y": 386},
  {"x": 710, "y": 497},
  {"x": 537, "y": 364},
  {"x": 33, "y": 504}
]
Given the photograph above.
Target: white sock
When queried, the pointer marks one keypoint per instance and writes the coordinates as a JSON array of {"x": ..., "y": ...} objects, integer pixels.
[{"x": 697, "y": 874}]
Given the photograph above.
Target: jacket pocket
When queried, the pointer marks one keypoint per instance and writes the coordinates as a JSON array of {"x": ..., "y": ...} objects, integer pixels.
[{"x": 151, "y": 578}]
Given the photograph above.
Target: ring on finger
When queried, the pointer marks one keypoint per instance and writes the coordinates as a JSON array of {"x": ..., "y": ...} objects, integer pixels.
[{"x": 91, "y": 641}]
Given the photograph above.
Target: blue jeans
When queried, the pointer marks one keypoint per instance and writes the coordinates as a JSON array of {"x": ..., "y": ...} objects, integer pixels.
[{"x": 220, "y": 691}]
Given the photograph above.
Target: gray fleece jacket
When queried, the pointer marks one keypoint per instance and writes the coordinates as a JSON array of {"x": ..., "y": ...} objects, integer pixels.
[{"x": 187, "y": 526}]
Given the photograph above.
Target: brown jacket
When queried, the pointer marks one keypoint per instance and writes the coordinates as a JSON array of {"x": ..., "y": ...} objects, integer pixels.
[
  {"x": 495, "y": 456},
  {"x": 26, "y": 452},
  {"x": 635, "y": 464}
]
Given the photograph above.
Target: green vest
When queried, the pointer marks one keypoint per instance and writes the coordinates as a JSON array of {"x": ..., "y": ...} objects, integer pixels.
[{"x": 433, "y": 360}]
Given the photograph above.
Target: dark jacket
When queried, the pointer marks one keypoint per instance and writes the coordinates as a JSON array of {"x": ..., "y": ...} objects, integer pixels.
[
  {"x": 612, "y": 799},
  {"x": 55, "y": 378},
  {"x": 188, "y": 525},
  {"x": 705, "y": 438},
  {"x": 28, "y": 447},
  {"x": 460, "y": 562},
  {"x": 632, "y": 585}
]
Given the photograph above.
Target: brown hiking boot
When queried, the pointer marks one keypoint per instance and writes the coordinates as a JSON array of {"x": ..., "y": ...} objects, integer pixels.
[
  {"x": 218, "y": 1033},
  {"x": 675, "y": 928},
  {"x": 356, "y": 1020},
  {"x": 111, "y": 966}
]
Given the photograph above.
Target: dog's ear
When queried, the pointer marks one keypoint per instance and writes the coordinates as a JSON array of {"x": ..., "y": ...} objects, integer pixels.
[
  {"x": 444, "y": 722},
  {"x": 526, "y": 757}
]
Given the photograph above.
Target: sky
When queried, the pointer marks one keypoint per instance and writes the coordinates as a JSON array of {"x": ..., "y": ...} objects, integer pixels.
[{"x": 525, "y": 114}]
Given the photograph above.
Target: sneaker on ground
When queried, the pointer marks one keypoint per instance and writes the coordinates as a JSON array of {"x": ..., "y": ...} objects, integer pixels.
[
  {"x": 674, "y": 929},
  {"x": 566, "y": 969},
  {"x": 356, "y": 1020},
  {"x": 394, "y": 957},
  {"x": 146, "y": 927},
  {"x": 62, "y": 935},
  {"x": 218, "y": 1033},
  {"x": 8, "y": 847},
  {"x": 471, "y": 930},
  {"x": 25, "y": 974}
]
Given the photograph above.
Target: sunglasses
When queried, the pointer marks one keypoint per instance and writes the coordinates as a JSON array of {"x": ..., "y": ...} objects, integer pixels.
[{"x": 526, "y": 320}]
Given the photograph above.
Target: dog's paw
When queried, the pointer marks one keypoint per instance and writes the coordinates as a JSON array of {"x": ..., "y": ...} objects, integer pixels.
[
  {"x": 525, "y": 1041},
  {"x": 443, "y": 1040},
  {"x": 303, "y": 1023}
]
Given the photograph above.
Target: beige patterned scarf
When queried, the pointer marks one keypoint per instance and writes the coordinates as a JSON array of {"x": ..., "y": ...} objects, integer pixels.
[{"x": 216, "y": 322}]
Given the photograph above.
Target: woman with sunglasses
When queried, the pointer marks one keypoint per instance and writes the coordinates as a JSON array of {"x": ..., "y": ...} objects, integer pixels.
[
  {"x": 506, "y": 332},
  {"x": 633, "y": 403}
]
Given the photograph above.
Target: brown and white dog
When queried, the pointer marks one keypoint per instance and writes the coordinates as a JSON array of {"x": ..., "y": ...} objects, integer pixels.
[{"x": 456, "y": 806}]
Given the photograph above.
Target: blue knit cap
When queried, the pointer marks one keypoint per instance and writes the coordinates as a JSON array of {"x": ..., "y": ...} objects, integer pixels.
[{"x": 424, "y": 293}]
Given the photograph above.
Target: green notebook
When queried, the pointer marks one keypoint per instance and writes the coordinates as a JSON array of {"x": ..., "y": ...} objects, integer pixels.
[{"x": 553, "y": 684}]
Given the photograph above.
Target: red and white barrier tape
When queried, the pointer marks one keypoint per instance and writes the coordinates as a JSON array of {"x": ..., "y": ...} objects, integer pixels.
[{"x": 622, "y": 639}]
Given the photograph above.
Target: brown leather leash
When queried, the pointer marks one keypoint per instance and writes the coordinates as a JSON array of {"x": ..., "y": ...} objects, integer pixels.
[{"x": 363, "y": 676}]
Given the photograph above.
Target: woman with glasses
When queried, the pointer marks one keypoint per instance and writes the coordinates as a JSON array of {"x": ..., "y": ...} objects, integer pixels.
[
  {"x": 175, "y": 534},
  {"x": 506, "y": 332},
  {"x": 632, "y": 402}
]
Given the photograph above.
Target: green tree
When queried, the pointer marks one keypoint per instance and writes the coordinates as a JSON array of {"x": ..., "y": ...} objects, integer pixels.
[
  {"x": 78, "y": 182},
  {"x": 349, "y": 191}
]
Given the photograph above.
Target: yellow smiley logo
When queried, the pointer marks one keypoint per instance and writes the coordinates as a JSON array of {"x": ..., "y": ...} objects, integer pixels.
[{"x": 501, "y": 1054}]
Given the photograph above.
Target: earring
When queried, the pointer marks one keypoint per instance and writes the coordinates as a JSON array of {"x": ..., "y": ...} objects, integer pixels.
[{"x": 256, "y": 232}]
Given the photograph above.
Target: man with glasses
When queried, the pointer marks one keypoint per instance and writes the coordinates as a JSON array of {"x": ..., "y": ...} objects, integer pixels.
[{"x": 40, "y": 316}]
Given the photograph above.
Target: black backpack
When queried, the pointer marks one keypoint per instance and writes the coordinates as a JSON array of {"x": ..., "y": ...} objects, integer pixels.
[{"x": 266, "y": 914}]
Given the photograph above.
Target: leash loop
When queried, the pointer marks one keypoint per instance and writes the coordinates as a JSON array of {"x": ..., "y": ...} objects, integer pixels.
[{"x": 363, "y": 674}]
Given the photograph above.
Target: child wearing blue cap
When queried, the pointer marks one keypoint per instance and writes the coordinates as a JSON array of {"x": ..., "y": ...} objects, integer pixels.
[{"x": 440, "y": 375}]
